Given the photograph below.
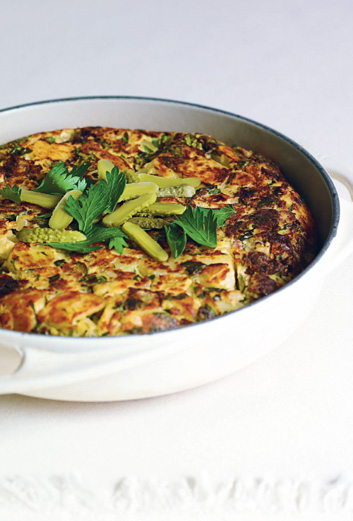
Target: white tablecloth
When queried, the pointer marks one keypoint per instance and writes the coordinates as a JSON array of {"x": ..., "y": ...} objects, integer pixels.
[{"x": 273, "y": 441}]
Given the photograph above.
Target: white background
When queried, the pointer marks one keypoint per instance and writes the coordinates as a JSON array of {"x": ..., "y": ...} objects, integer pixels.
[{"x": 287, "y": 64}]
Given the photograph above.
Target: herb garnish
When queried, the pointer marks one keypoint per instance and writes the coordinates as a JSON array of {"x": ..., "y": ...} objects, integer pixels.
[
  {"x": 200, "y": 224},
  {"x": 59, "y": 181},
  {"x": 176, "y": 238},
  {"x": 97, "y": 234},
  {"x": 222, "y": 214},
  {"x": 99, "y": 198},
  {"x": 13, "y": 194}
]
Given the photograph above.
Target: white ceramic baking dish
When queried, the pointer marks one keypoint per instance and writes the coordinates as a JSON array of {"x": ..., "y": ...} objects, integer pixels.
[{"x": 137, "y": 366}]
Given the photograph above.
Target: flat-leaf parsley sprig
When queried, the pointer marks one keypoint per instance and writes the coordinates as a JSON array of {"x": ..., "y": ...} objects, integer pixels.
[
  {"x": 13, "y": 194},
  {"x": 88, "y": 208},
  {"x": 200, "y": 224},
  {"x": 59, "y": 181},
  {"x": 98, "y": 199},
  {"x": 97, "y": 233}
]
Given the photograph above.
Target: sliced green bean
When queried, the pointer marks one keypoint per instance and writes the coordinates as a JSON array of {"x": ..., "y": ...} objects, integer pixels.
[
  {"x": 131, "y": 176},
  {"x": 149, "y": 223},
  {"x": 104, "y": 166},
  {"x": 60, "y": 218},
  {"x": 163, "y": 209},
  {"x": 149, "y": 245},
  {"x": 177, "y": 191},
  {"x": 48, "y": 201},
  {"x": 128, "y": 209},
  {"x": 166, "y": 182},
  {"x": 133, "y": 190}
]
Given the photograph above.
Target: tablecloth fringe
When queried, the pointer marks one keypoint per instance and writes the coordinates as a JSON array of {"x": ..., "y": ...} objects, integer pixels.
[{"x": 72, "y": 497}]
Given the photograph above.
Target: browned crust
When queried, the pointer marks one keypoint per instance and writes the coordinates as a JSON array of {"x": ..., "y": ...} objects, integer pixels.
[{"x": 269, "y": 239}]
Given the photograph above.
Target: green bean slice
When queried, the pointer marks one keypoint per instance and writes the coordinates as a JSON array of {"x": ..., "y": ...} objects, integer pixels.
[
  {"x": 104, "y": 166},
  {"x": 163, "y": 209},
  {"x": 60, "y": 218},
  {"x": 165, "y": 182},
  {"x": 177, "y": 191},
  {"x": 134, "y": 190},
  {"x": 48, "y": 201},
  {"x": 128, "y": 209},
  {"x": 148, "y": 245},
  {"x": 149, "y": 223}
]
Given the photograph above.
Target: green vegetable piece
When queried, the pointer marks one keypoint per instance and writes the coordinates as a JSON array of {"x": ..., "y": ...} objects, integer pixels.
[
  {"x": 200, "y": 225},
  {"x": 44, "y": 235},
  {"x": 99, "y": 198},
  {"x": 88, "y": 206},
  {"x": 59, "y": 181},
  {"x": 177, "y": 191},
  {"x": 80, "y": 247},
  {"x": 221, "y": 159},
  {"x": 223, "y": 214},
  {"x": 116, "y": 182},
  {"x": 45, "y": 200},
  {"x": 166, "y": 182},
  {"x": 117, "y": 243},
  {"x": 133, "y": 190},
  {"x": 149, "y": 147},
  {"x": 149, "y": 245},
  {"x": 98, "y": 234},
  {"x": 60, "y": 218},
  {"x": 192, "y": 141},
  {"x": 128, "y": 209},
  {"x": 176, "y": 238},
  {"x": 164, "y": 209},
  {"x": 13, "y": 194},
  {"x": 149, "y": 223},
  {"x": 132, "y": 177},
  {"x": 80, "y": 171},
  {"x": 104, "y": 166}
]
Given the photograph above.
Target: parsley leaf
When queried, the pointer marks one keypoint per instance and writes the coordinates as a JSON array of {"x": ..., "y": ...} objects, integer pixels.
[
  {"x": 80, "y": 171},
  {"x": 223, "y": 214},
  {"x": 117, "y": 243},
  {"x": 86, "y": 208},
  {"x": 14, "y": 193},
  {"x": 176, "y": 238},
  {"x": 99, "y": 198},
  {"x": 201, "y": 226},
  {"x": 59, "y": 181},
  {"x": 116, "y": 185},
  {"x": 97, "y": 234}
]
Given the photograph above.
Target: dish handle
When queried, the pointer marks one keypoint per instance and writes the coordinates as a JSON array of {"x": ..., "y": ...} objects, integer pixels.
[
  {"x": 33, "y": 368},
  {"x": 343, "y": 242}
]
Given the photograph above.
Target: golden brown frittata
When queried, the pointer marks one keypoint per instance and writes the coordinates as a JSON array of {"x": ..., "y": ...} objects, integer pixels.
[{"x": 267, "y": 237}]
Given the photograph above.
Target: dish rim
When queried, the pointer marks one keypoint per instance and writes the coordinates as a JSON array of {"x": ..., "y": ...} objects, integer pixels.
[{"x": 325, "y": 176}]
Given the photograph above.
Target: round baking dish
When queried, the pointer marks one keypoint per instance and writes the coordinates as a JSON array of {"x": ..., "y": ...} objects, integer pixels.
[{"x": 139, "y": 366}]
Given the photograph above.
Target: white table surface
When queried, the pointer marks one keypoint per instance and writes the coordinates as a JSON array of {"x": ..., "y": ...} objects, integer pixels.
[{"x": 276, "y": 438}]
